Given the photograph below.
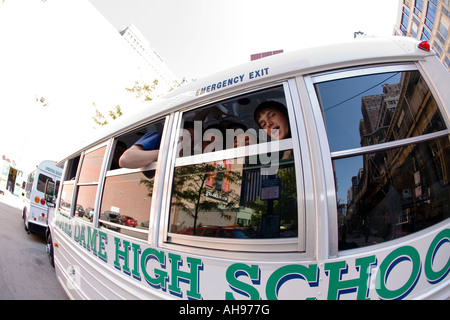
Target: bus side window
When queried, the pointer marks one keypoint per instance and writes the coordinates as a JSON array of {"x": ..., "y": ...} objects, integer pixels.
[
  {"x": 246, "y": 192},
  {"x": 42, "y": 179},
  {"x": 65, "y": 205},
  {"x": 385, "y": 193},
  {"x": 138, "y": 148},
  {"x": 127, "y": 194},
  {"x": 88, "y": 182}
]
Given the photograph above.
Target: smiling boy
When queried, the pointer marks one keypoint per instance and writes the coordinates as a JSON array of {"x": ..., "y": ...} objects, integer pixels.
[{"x": 272, "y": 117}]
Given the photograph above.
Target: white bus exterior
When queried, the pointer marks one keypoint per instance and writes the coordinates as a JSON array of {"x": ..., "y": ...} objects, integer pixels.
[
  {"x": 35, "y": 205},
  {"x": 354, "y": 203}
]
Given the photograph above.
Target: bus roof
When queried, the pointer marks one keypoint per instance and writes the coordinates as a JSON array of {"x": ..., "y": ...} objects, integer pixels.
[{"x": 358, "y": 52}]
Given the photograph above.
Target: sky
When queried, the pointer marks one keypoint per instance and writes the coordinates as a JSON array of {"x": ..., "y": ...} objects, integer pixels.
[
  {"x": 198, "y": 37},
  {"x": 70, "y": 53}
]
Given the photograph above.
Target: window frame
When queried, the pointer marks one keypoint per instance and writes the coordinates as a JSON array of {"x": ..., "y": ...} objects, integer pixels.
[
  {"x": 99, "y": 183},
  {"x": 68, "y": 165},
  {"x": 328, "y": 156},
  {"x": 195, "y": 243},
  {"x": 158, "y": 166}
]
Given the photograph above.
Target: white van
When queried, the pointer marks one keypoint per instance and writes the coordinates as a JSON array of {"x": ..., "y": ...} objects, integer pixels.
[
  {"x": 41, "y": 189},
  {"x": 283, "y": 178}
]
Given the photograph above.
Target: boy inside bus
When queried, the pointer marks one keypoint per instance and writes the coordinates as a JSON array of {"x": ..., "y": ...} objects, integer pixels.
[
  {"x": 142, "y": 153},
  {"x": 272, "y": 117}
]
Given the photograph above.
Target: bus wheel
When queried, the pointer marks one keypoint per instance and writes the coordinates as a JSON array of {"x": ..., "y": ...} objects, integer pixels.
[{"x": 49, "y": 250}]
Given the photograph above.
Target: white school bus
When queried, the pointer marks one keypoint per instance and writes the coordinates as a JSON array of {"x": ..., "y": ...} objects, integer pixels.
[
  {"x": 319, "y": 174},
  {"x": 40, "y": 190}
]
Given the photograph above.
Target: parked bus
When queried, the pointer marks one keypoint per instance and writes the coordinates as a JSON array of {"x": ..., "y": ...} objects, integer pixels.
[
  {"x": 318, "y": 174},
  {"x": 40, "y": 191}
]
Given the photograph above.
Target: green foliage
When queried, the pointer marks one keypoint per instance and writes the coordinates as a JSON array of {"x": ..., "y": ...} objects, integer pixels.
[
  {"x": 101, "y": 120},
  {"x": 143, "y": 90}
]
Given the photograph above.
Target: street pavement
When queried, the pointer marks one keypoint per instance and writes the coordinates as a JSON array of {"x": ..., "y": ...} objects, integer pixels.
[{"x": 25, "y": 272}]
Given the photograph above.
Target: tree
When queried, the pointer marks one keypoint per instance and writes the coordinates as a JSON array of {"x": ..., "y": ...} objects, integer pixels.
[
  {"x": 141, "y": 89},
  {"x": 189, "y": 192},
  {"x": 101, "y": 120}
]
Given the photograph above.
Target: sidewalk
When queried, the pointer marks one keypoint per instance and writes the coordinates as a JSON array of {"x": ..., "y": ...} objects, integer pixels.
[{"x": 11, "y": 200}]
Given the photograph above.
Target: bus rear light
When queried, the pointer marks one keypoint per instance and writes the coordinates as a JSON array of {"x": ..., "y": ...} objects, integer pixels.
[
  {"x": 43, "y": 201},
  {"x": 36, "y": 199},
  {"x": 42, "y": 215},
  {"x": 424, "y": 45}
]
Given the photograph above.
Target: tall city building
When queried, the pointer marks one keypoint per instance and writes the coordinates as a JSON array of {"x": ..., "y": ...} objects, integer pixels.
[
  {"x": 426, "y": 20},
  {"x": 377, "y": 111},
  {"x": 167, "y": 81}
]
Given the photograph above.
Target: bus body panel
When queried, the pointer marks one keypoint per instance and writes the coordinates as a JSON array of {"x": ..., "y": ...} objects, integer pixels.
[
  {"x": 105, "y": 265},
  {"x": 93, "y": 262}
]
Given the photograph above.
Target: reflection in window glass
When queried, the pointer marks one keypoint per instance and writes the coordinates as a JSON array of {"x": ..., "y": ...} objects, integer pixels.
[
  {"x": 393, "y": 193},
  {"x": 377, "y": 108},
  {"x": 42, "y": 180},
  {"x": 390, "y": 193},
  {"x": 66, "y": 198},
  {"x": 126, "y": 202},
  {"x": 91, "y": 166},
  {"x": 232, "y": 199},
  {"x": 29, "y": 185},
  {"x": 86, "y": 202}
]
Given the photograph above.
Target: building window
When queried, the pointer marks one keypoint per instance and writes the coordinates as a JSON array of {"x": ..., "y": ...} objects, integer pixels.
[
  {"x": 437, "y": 48},
  {"x": 418, "y": 7},
  {"x": 445, "y": 12},
  {"x": 442, "y": 34},
  {"x": 415, "y": 27},
  {"x": 404, "y": 21},
  {"x": 431, "y": 15},
  {"x": 447, "y": 62},
  {"x": 425, "y": 35}
]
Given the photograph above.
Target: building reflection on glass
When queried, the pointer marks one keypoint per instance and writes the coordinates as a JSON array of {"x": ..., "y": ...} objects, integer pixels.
[{"x": 395, "y": 191}]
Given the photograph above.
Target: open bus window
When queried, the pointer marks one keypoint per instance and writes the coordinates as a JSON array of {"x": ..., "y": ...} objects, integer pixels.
[
  {"x": 385, "y": 192},
  {"x": 127, "y": 194},
  {"x": 126, "y": 203},
  {"x": 235, "y": 175},
  {"x": 249, "y": 119},
  {"x": 142, "y": 142}
]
